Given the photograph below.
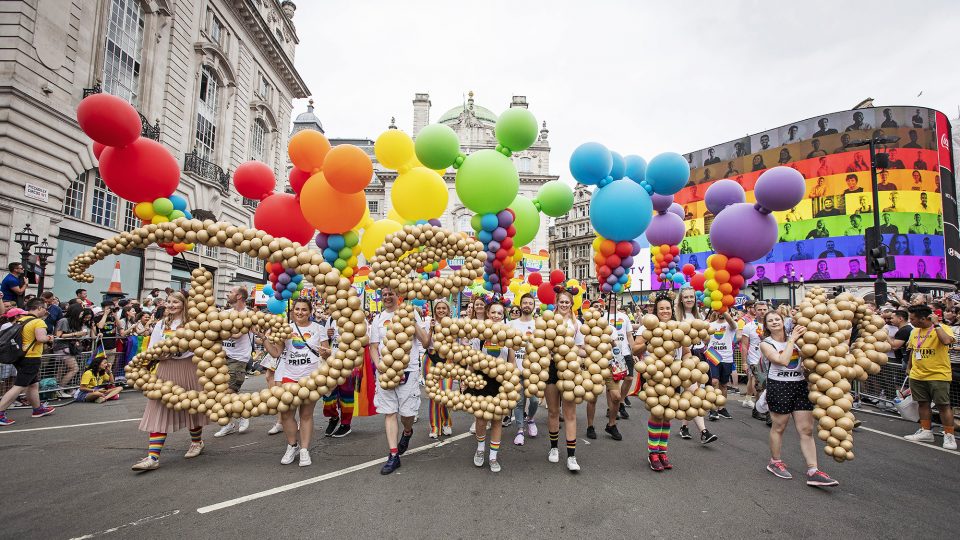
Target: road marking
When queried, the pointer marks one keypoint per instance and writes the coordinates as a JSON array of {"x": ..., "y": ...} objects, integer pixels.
[
  {"x": 900, "y": 438},
  {"x": 140, "y": 521},
  {"x": 242, "y": 445},
  {"x": 6, "y": 431},
  {"x": 321, "y": 478}
]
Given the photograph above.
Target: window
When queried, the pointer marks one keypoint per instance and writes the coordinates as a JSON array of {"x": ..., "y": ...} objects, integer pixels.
[
  {"x": 263, "y": 89},
  {"x": 216, "y": 30},
  {"x": 374, "y": 207},
  {"x": 463, "y": 224},
  {"x": 251, "y": 263},
  {"x": 258, "y": 136},
  {"x": 525, "y": 165},
  {"x": 121, "y": 57},
  {"x": 206, "y": 136},
  {"x": 130, "y": 220},
  {"x": 210, "y": 252},
  {"x": 104, "y": 208},
  {"x": 564, "y": 254},
  {"x": 73, "y": 200}
]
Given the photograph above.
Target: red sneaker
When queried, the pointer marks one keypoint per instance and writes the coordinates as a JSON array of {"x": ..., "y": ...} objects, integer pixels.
[
  {"x": 42, "y": 411},
  {"x": 655, "y": 463},
  {"x": 665, "y": 461}
]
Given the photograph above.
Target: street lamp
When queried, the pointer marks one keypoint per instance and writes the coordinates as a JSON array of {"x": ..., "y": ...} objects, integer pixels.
[
  {"x": 44, "y": 251},
  {"x": 27, "y": 239}
]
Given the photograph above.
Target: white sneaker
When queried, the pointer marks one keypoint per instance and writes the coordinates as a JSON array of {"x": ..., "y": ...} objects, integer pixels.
[
  {"x": 63, "y": 394},
  {"x": 494, "y": 465},
  {"x": 433, "y": 435},
  {"x": 554, "y": 455},
  {"x": 747, "y": 403},
  {"x": 572, "y": 464},
  {"x": 478, "y": 458},
  {"x": 291, "y": 453},
  {"x": 922, "y": 435},
  {"x": 949, "y": 441},
  {"x": 473, "y": 429},
  {"x": 448, "y": 430},
  {"x": 226, "y": 430},
  {"x": 243, "y": 424},
  {"x": 277, "y": 428},
  {"x": 305, "y": 460}
]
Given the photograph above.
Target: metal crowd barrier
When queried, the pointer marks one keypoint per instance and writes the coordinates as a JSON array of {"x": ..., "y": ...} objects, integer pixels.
[{"x": 881, "y": 390}]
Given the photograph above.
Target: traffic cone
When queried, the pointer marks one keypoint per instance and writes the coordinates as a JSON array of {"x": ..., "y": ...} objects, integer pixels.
[{"x": 115, "y": 290}]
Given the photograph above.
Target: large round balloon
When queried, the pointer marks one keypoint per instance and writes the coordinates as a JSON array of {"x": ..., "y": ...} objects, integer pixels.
[
  {"x": 516, "y": 129},
  {"x": 109, "y": 120},
  {"x": 393, "y": 149},
  {"x": 618, "y": 169},
  {"x": 590, "y": 163},
  {"x": 667, "y": 173},
  {"x": 297, "y": 179},
  {"x": 375, "y": 234},
  {"x": 675, "y": 208},
  {"x": 722, "y": 194},
  {"x": 741, "y": 231},
  {"x": 329, "y": 210},
  {"x": 419, "y": 193},
  {"x": 347, "y": 168},
  {"x": 141, "y": 171},
  {"x": 280, "y": 215},
  {"x": 527, "y": 220},
  {"x": 254, "y": 180},
  {"x": 661, "y": 203},
  {"x": 307, "y": 150},
  {"x": 487, "y": 182},
  {"x": 555, "y": 198},
  {"x": 665, "y": 229},
  {"x": 620, "y": 210},
  {"x": 635, "y": 168},
  {"x": 780, "y": 188},
  {"x": 437, "y": 146}
]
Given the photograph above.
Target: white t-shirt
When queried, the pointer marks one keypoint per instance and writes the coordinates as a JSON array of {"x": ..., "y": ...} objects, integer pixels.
[
  {"x": 525, "y": 328},
  {"x": 298, "y": 360},
  {"x": 417, "y": 349},
  {"x": 575, "y": 325},
  {"x": 335, "y": 340},
  {"x": 160, "y": 333},
  {"x": 754, "y": 332},
  {"x": 891, "y": 331},
  {"x": 239, "y": 348},
  {"x": 621, "y": 328},
  {"x": 790, "y": 372},
  {"x": 721, "y": 340},
  {"x": 699, "y": 345}
]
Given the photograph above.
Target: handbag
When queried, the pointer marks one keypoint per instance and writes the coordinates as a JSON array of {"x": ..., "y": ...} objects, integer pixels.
[{"x": 908, "y": 408}]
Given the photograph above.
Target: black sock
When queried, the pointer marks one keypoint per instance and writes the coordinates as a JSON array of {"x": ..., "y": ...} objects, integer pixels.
[
  {"x": 554, "y": 438},
  {"x": 571, "y": 448}
]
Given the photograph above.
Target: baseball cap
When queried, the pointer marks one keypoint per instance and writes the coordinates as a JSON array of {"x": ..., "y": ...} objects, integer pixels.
[{"x": 15, "y": 312}]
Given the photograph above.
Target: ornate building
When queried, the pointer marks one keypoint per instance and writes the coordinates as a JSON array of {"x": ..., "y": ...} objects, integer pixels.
[
  {"x": 571, "y": 239},
  {"x": 214, "y": 82}
]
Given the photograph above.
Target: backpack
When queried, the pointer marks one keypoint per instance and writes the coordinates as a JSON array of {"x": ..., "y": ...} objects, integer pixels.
[{"x": 11, "y": 341}]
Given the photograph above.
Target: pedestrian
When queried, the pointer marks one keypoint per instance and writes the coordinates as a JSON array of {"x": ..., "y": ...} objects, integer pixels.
[
  {"x": 495, "y": 314},
  {"x": 338, "y": 405},
  {"x": 440, "y": 421},
  {"x": 930, "y": 373},
  {"x": 526, "y": 408},
  {"x": 658, "y": 428},
  {"x": 622, "y": 357},
  {"x": 686, "y": 309},
  {"x": 552, "y": 392},
  {"x": 13, "y": 285},
  {"x": 750, "y": 338},
  {"x": 786, "y": 396},
  {"x": 108, "y": 328},
  {"x": 33, "y": 337},
  {"x": 96, "y": 383},
  {"x": 298, "y": 357},
  {"x": 54, "y": 312},
  {"x": 158, "y": 419},
  {"x": 73, "y": 334},
  {"x": 239, "y": 350},
  {"x": 82, "y": 298},
  {"x": 723, "y": 334}
]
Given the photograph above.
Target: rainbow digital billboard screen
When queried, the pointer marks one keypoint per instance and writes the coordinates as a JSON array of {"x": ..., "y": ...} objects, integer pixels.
[{"x": 822, "y": 238}]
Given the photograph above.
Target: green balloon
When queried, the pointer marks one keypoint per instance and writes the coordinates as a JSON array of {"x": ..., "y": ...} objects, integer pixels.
[
  {"x": 345, "y": 253},
  {"x": 487, "y": 182},
  {"x": 176, "y": 214},
  {"x": 516, "y": 129},
  {"x": 351, "y": 238},
  {"x": 527, "y": 220},
  {"x": 475, "y": 222},
  {"x": 437, "y": 146},
  {"x": 162, "y": 206},
  {"x": 555, "y": 198},
  {"x": 339, "y": 264}
]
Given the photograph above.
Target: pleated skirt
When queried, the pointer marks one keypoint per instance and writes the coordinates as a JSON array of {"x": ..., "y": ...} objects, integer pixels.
[{"x": 157, "y": 417}]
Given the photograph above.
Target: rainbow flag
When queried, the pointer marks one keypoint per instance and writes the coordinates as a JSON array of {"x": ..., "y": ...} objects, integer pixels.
[
  {"x": 365, "y": 387},
  {"x": 712, "y": 356}
]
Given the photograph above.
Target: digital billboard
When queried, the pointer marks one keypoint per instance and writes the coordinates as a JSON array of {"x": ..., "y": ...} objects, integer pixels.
[{"x": 822, "y": 238}]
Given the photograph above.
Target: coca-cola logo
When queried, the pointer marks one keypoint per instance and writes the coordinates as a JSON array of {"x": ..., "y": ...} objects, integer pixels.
[{"x": 944, "y": 140}]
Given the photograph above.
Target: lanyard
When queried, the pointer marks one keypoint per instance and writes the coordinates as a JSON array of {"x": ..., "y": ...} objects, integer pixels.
[{"x": 920, "y": 344}]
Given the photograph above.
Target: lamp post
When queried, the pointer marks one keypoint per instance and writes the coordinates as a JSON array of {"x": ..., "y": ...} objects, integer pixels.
[
  {"x": 27, "y": 239},
  {"x": 44, "y": 251}
]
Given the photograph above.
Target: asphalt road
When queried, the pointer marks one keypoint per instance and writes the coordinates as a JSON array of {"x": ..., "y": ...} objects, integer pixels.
[{"x": 75, "y": 482}]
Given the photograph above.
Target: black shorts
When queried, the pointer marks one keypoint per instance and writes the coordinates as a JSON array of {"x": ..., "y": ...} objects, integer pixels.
[
  {"x": 631, "y": 362},
  {"x": 553, "y": 376},
  {"x": 28, "y": 371},
  {"x": 785, "y": 397},
  {"x": 722, "y": 372}
]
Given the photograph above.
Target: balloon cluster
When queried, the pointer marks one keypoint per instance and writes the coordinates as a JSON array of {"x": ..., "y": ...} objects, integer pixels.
[
  {"x": 665, "y": 265},
  {"x": 284, "y": 286},
  {"x": 720, "y": 282},
  {"x": 613, "y": 261},
  {"x": 163, "y": 210},
  {"x": 664, "y": 234},
  {"x": 496, "y": 232},
  {"x": 340, "y": 250},
  {"x": 547, "y": 290}
]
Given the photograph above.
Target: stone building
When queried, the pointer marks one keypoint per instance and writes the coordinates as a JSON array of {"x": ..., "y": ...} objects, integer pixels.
[
  {"x": 213, "y": 81},
  {"x": 571, "y": 239}
]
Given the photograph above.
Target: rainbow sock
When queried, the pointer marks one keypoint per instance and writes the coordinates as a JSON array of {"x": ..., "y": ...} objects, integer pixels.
[
  {"x": 155, "y": 445},
  {"x": 571, "y": 447},
  {"x": 657, "y": 434},
  {"x": 195, "y": 435},
  {"x": 554, "y": 438},
  {"x": 494, "y": 448},
  {"x": 664, "y": 435},
  {"x": 480, "y": 442}
]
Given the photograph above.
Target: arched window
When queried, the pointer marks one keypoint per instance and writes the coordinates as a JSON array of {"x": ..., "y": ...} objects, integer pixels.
[
  {"x": 104, "y": 203},
  {"x": 258, "y": 141},
  {"x": 206, "y": 136},
  {"x": 121, "y": 57}
]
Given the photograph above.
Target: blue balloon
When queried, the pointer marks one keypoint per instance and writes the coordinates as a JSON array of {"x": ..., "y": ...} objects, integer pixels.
[
  {"x": 419, "y": 303},
  {"x": 297, "y": 278},
  {"x": 617, "y": 288},
  {"x": 187, "y": 214},
  {"x": 330, "y": 255},
  {"x": 489, "y": 222},
  {"x": 276, "y": 306},
  {"x": 268, "y": 289},
  {"x": 179, "y": 203},
  {"x": 667, "y": 173},
  {"x": 590, "y": 163},
  {"x": 484, "y": 236},
  {"x": 678, "y": 279},
  {"x": 620, "y": 210},
  {"x": 336, "y": 242},
  {"x": 635, "y": 168},
  {"x": 287, "y": 294},
  {"x": 623, "y": 278},
  {"x": 619, "y": 166}
]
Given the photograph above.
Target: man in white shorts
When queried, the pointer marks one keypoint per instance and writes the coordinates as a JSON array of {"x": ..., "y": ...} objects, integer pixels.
[
  {"x": 239, "y": 349},
  {"x": 750, "y": 343}
]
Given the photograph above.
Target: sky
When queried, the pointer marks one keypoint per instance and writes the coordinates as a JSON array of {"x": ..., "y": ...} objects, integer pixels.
[{"x": 640, "y": 77}]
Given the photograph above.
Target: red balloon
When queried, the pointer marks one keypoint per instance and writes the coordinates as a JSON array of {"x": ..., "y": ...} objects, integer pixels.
[
  {"x": 546, "y": 294},
  {"x": 297, "y": 179},
  {"x": 139, "y": 172},
  {"x": 109, "y": 120},
  {"x": 511, "y": 230},
  {"x": 557, "y": 277},
  {"x": 689, "y": 270},
  {"x": 737, "y": 281},
  {"x": 604, "y": 272},
  {"x": 507, "y": 244},
  {"x": 624, "y": 249},
  {"x": 254, "y": 180},
  {"x": 98, "y": 149},
  {"x": 674, "y": 250},
  {"x": 535, "y": 279},
  {"x": 697, "y": 281},
  {"x": 501, "y": 254},
  {"x": 280, "y": 215},
  {"x": 735, "y": 265},
  {"x": 613, "y": 261}
]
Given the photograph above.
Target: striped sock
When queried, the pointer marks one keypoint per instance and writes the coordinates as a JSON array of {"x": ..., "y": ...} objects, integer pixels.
[
  {"x": 494, "y": 448},
  {"x": 195, "y": 435},
  {"x": 156, "y": 445},
  {"x": 480, "y": 443},
  {"x": 664, "y": 435},
  {"x": 655, "y": 434},
  {"x": 571, "y": 447},
  {"x": 554, "y": 438}
]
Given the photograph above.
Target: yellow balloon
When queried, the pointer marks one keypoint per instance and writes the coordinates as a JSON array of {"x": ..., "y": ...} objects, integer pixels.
[
  {"x": 393, "y": 149},
  {"x": 347, "y": 272},
  {"x": 392, "y": 215},
  {"x": 419, "y": 193},
  {"x": 365, "y": 221},
  {"x": 596, "y": 243},
  {"x": 159, "y": 219},
  {"x": 374, "y": 236}
]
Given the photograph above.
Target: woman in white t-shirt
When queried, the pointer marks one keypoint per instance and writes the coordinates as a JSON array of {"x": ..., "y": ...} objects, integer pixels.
[
  {"x": 495, "y": 315},
  {"x": 786, "y": 396},
  {"x": 297, "y": 358},
  {"x": 440, "y": 421},
  {"x": 686, "y": 309},
  {"x": 553, "y": 394}
]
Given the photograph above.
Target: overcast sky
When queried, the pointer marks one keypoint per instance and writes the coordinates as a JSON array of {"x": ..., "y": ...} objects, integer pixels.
[{"x": 641, "y": 77}]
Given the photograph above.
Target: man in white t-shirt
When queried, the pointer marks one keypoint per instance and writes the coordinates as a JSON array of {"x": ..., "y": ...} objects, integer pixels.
[
  {"x": 526, "y": 407},
  {"x": 622, "y": 357},
  {"x": 404, "y": 400},
  {"x": 723, "y": 334},
  {"x": 752, "y": 335},
  {"x": 338, "y": 405},
  {"x": 239, "y": 350}
]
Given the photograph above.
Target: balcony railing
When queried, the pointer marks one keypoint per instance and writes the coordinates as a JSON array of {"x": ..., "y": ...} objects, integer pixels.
[
  {"x": 251, "y": 203},
  {"x": 146, "y": 130},
  {"x": 193, "y": 163}
]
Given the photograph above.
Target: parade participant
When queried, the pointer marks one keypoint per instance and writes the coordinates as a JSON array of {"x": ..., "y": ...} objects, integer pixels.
[
  {"x": 719, "y": 354},
  {"x": 404, "y": 400},
  {"x": 686, "y": 309},
  {"x": 269, "y": 364},
  {"x": 495, "y": 314},
  {"x": 552, "y": 393},
  {"x": 786, "y": 397},
  {"x": 338, "y": 405},
  {"x": 33, "y": 336},
  {"x": 440, "y": 421},
  {"x": 159, "y": 420},
  {"x": 298, "y": 357},
  {"x": 479, "y": 308},
  {"x": 930, "y": 373},
  {"x": 70, "y": 332},
  {"x": 526, "y": 406},
  {"x": 96, "y": 383},
  {"x": 750, "y": 338},
  {"x": 658, "y": 428},
  {"x": 622, "y": 358},
  {"x": 239, "y": 349}
]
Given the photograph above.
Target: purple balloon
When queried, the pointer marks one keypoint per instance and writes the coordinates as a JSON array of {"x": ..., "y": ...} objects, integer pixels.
[
  {"x": 493, "y": 278},
  {"x": 494, "y": 245},
  {"x": 499, "y": 234},
  {"x": 779, "y": 189},
  {"x": 435, "y": 222},
  {"x": 665, "y": 229},
  {"x": 606, "y": 287},
  {"x": 504, "y": 218},
  {"x": 748, "y": 271},
  {"x": 661, "y": 203},
  {"x": 675, "y": 208},
  {"x": 321, "y": 240},
  {"x": 627, "y": 262},
  {"x": 618, "y": 271},
  {"x": 612, "y": 279},
  {"x": 636, "y": 248},
  {"x": 722, "y": 194},
  {"x": 283, "y": 278},
  {"x": 742, "y": 231}
]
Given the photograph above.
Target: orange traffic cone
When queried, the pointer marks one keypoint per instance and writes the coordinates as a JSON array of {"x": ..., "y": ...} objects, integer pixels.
[{"x": 115, "y": 290}]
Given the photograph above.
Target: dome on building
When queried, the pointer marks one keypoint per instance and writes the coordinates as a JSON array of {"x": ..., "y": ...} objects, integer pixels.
[
  {"x": 307, "y": 120},
  {"x": 481, "y": 113}
]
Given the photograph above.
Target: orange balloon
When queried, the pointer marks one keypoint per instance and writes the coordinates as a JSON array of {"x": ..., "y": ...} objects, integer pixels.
[
  {"x": 329, "y": 210},
  {"x": 727, "y": 300},
  {"x": 608, "y": 247},
  {"x": 347, "y": 168},
  {"x": 599, "y": 258},
  {"x": 722, "y": 276},
  {"x": 718, "y": 261},
  {"x": 307, "y": 150},
  {"x": 725, "y": 288}
]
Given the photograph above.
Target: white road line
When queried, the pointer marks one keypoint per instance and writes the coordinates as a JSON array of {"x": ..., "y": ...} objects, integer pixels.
[
  {"x": 140, "y": 521},
  {"x": 242, "y": 445},
  {"x": 900, "y": 438},
  {"x": 8, "y": 431},
  {"x": 321, "y": 478}
]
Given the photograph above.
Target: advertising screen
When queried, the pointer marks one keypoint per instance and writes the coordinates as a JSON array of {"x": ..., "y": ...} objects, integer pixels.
[{"x": 822, "y": 238}]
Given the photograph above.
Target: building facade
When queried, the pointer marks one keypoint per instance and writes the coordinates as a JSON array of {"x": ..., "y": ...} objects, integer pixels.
[
  {"x": 571, "y": 239},
  {"x": 213, "y": 81}
]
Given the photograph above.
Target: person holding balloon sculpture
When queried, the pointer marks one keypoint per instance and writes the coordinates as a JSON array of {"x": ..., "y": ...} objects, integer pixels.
[
  {"x": 439, "y": 415},
  {"x": 622, "y": 357},
  {"x": 239, "y": 349},
  {"x": 719, "y": 354},
  {"x": 526, "y": 406},
  {"x": 686, "y": 309},
  {"x": 338, "y": 405},
  {"x": 495, "y": 314},
  {"x": 564, "y": 303}
]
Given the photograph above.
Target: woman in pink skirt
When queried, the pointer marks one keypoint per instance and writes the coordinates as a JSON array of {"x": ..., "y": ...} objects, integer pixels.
[{"x": 158, "y": 420}]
